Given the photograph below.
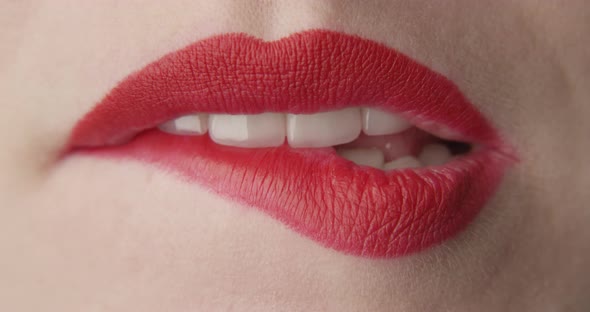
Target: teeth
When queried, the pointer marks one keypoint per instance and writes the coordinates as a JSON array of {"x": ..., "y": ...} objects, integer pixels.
[
  {"x": 435, "y": 155},
  {"x": 324, "y": 129},
  {"x": 263, "y": 130},
  {"x": 314, "y": 130},
  {"x": 378, "y": 122},
  {"x": 186, "y": 125},
  {"x": 364, "y": 157},
  {"x": 403, "y": 163}
]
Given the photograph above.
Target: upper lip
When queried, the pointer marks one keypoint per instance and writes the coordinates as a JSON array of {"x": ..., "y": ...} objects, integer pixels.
[
  {"x": 214, "y": 76},
  {"x": 306, "y": 73}
]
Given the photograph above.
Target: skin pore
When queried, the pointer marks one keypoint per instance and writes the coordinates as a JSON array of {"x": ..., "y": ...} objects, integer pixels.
[{"x": 90, "y": 234}]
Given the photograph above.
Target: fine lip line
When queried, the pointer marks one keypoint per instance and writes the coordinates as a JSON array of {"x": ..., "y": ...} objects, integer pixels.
[{"x": 234, "y": 82}]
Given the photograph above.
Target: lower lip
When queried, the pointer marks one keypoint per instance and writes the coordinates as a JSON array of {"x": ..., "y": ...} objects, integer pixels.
[{"x": 356, "y": 210}]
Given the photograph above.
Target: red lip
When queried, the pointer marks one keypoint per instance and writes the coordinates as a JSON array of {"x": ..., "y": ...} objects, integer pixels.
[{"x": 353, "y": 209}]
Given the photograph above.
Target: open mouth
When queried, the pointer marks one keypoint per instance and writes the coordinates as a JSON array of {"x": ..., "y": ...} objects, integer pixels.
[
  {"x": 342, "y": 139},
  {"x": 368, "y": 137}
]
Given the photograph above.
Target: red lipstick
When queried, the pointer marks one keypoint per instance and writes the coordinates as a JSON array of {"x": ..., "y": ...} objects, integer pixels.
[{"x": 352, "y": 209}]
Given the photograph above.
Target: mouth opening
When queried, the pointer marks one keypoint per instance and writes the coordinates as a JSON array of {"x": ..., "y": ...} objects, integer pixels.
[{"x": 365, "y": 136}]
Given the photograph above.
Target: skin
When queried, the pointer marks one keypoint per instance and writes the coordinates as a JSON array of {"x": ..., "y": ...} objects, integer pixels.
[{"x": 86, "y": 234}]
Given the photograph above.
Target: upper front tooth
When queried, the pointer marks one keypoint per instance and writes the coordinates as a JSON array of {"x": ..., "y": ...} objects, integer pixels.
[
  {"x": 188, "y": 125},
  {"x": 263, "y": 130},
  {"x": 324, "y": 129},
  {"x": 434, "y": 155},
  {"x": 378, "y": 122},
  {"x": 370, "y": 157}
]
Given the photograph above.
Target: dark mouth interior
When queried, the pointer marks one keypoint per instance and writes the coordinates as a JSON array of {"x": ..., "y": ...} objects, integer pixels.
[{"x": 457, "y": 148}]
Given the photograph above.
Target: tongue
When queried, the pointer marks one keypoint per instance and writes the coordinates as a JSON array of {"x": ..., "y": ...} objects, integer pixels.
[{"x": 393, "y": 146}]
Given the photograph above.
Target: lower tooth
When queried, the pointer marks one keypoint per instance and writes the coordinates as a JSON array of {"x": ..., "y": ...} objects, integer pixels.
[
  {"x": 364, "y": 157},
  {"x": 403, "y": 163},
  {"x": 434, "y": 155}
]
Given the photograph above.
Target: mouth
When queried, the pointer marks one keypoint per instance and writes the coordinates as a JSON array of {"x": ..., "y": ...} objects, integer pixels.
[{"x": 342, "y": 139}]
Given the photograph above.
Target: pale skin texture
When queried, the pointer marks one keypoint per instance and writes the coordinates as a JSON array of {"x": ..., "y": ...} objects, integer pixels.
[{"x": 85, "y": 234}]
